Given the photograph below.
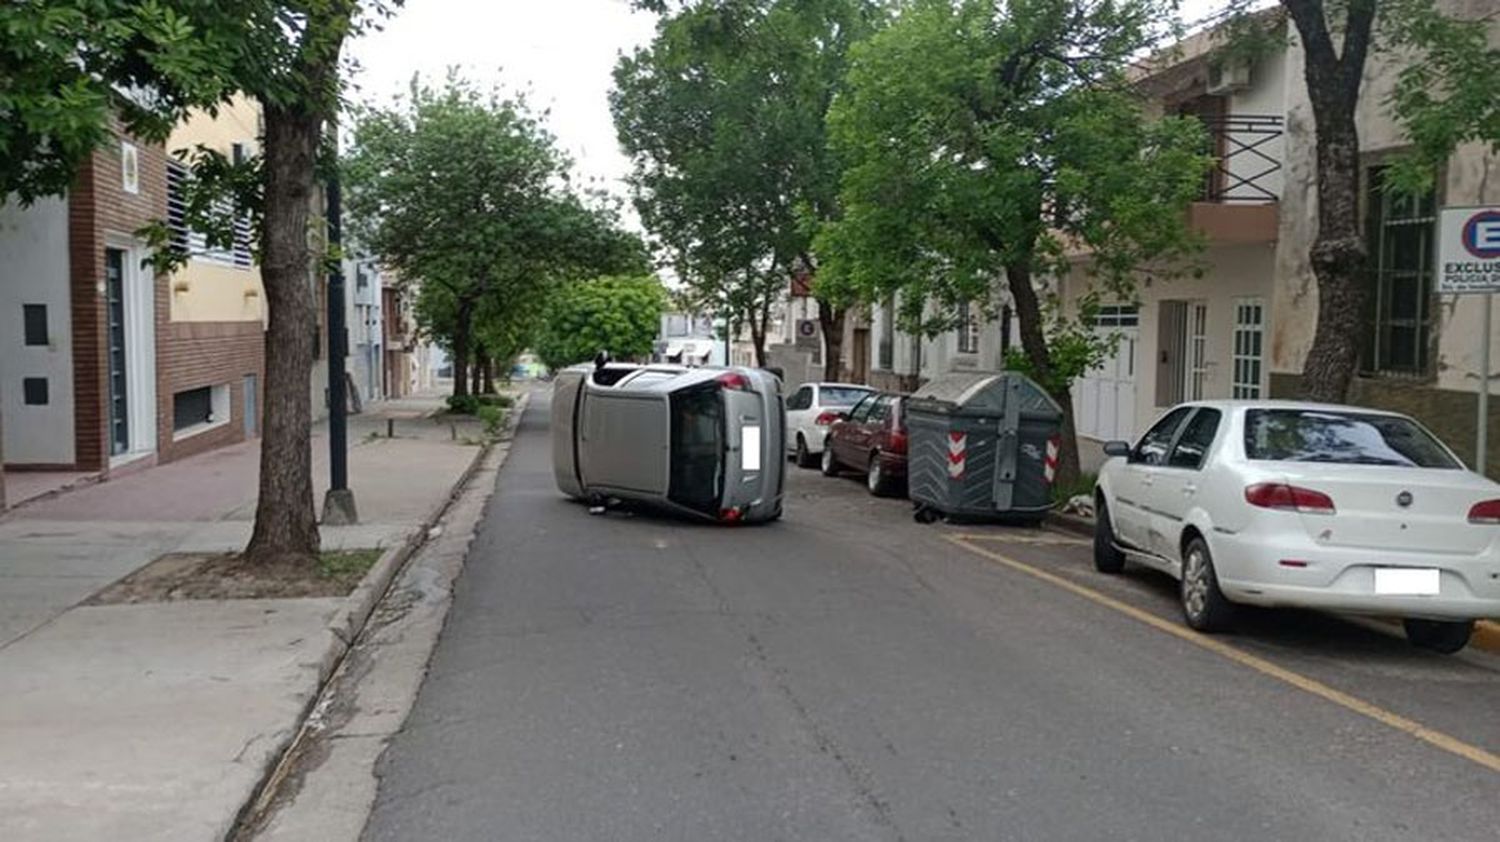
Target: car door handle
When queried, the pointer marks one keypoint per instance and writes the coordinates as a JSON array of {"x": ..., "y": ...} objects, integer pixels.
[
  {"x": 1189, "y": 490},
  {"x": 1148, "y": 481}
]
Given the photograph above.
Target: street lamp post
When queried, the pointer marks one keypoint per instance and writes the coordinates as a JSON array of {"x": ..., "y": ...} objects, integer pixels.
[{"x": 338, "y": 504}]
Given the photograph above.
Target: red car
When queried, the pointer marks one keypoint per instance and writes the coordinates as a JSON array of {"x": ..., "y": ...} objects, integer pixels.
[{"x": 870, "y": 437}]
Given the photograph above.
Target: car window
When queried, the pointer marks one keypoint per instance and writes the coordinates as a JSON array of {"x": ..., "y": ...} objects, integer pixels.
[
  {"x": 841, "y": 396},
  {"x": 1351, "y": 438},
  {"x": 1195, "y": 440},
  {"x": 696, "y": 477},
  {"x": 861, "y": 410},
  {"x": 802, "y": 399},
  {"x": 879, "y": 411},
  {"x": 1152, "y": 449}
]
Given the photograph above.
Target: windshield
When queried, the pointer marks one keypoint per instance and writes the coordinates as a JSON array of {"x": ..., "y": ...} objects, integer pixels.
[
  {"x": 1297, "y": 435},
  {"x": 842, "y": 395},
  {"x": 697, "y": 455}
]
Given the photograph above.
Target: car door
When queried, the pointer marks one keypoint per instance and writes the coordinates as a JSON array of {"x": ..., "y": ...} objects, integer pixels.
[
  {"x": 849, "y": 435},
  {"x": 1133, "y": 481},
  {"x": 801, "y": 409},
  {"x": 874, "y": 428},
  {"x": 1175, "y": 489}
]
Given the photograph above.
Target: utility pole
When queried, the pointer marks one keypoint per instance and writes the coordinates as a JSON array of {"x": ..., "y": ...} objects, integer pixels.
[{"x": 338, "y": 504}]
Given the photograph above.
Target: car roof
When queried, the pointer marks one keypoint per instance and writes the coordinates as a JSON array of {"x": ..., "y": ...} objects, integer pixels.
[
  {"x": 829, "y": 384},
  {"x": 1286, "y": 404}
]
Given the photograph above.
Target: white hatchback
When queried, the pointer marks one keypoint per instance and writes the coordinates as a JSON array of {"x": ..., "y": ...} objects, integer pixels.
[
  {"x": 1277, "y": 503},
  {"x": 811, "y": 410}
]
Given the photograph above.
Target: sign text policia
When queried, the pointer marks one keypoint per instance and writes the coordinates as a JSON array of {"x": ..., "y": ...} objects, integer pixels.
[{"x": 1469, "y": 250}]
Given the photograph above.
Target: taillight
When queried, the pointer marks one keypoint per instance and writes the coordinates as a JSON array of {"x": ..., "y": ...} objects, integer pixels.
[
  {"x": 826, "y": 418},
  {"x": 731, "y": 515},
  {"x": 1290, "y": 498},
  {"x": 896, "y": 442},
  {"x": 734, "y": 381},
  {"x": 1485, "y": 512}
]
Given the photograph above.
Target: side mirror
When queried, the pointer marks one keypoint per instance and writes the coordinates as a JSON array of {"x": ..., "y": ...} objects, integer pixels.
[{"x": 1117, "y": 448}]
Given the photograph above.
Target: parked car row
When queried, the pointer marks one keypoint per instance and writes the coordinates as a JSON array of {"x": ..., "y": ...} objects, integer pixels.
[
  {"x": 841, "y": 427},
  {"x": 1275, "y": 503}
]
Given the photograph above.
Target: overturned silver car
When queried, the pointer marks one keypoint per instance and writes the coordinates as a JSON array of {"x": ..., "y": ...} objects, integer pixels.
[{"x": 705, "y": 442}]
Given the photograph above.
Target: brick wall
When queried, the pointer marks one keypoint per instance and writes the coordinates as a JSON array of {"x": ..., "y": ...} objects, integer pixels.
[
  {"x": 100, "y": 210},
  {"x": 191, "y": 355}
]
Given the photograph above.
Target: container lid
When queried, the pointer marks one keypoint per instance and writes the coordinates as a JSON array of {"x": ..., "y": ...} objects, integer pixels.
[{"x": 971, "y": 392}]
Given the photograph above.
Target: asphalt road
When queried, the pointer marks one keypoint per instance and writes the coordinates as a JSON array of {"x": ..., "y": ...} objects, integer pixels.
[{"x": 849, "y": 674}]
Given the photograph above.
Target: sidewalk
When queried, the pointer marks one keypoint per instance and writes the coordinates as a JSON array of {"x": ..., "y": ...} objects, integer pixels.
[{"x": 156, "y": 721}]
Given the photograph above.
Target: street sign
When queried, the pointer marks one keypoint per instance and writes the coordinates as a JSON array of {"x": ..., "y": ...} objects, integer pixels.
[{"x": 1468, "y": 250}]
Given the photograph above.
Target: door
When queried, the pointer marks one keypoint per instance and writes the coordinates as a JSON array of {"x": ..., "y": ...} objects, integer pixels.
[
  {"x": 1249, "y": 342},
  {"x": 1134, "y": 482},
  {"x": 800, "y": 414},
  {"x": 1175, "y": 490},
  {"x": 1104, "y": 397},
  {"x": 119, "y": 402},
  {"x": 251, "y": 413},
  {"x": 874, "y": 429},
  {"x": 852, "y": 435}
]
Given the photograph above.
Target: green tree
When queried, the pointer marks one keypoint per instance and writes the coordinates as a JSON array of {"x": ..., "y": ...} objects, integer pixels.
[
  {"x": 620, "y": 315},
  {"x": 991, "y": 146},
  {"x": 723, "y": 115},
  {"x": 467, "y": 192},
  {"x": 1444, "y": 96}
]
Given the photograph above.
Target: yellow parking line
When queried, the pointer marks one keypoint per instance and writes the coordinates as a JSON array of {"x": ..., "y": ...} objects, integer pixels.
[
  {"x": 1054, "y": 540},
  {"x": 1446, "y": 742}
]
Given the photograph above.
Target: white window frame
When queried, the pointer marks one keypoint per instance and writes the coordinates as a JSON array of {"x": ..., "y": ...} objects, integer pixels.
[
  {"x": 1248, "y": 369},
  {"x": 968, "y": 328},
  {"x": 1196, "y": 351}
]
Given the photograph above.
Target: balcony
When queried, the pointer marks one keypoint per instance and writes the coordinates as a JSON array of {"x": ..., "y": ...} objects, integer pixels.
[{"x": 1238, "y": 204}]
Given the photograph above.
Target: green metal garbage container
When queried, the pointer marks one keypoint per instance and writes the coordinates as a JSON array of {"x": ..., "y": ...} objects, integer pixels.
[{"x": 982, "y": 444}]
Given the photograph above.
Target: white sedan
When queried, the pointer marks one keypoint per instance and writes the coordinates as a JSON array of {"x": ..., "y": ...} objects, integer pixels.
[
  {"x": 1277, "y": 503},
  {"x": 811, "y": 410}
]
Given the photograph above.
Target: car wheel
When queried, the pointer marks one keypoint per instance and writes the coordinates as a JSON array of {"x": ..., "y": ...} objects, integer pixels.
[
  {"x": 876, "y": 479},
  {"x": 804, "y": 458},
  {"x": 1107, "y": 556},
  {"x": 829, "y": 465},
  {"x": 1445, "y": 636},
  {"x": 1203, "y": 604}
]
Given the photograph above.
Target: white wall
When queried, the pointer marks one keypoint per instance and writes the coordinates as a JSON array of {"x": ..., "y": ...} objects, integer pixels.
[
  {"x": 34, "y": 270},
  {"x": 1266, "y": 97}
]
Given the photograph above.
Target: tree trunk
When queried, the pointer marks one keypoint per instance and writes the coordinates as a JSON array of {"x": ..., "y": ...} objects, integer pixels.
[
  {"x": 286, "y": 528},
  {"x": 1338, "y": 254},
  {"x": 487, "y": 371},
  {"x": 1034, "y": 344},
  {"x": 831, "y": 322},
  {"x": 462, "y": 320}
]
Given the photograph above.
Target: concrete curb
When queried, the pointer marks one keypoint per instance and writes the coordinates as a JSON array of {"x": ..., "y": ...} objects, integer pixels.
[
  {"x": 1486, "y": 632},
  {"x": 351, "y": 619}
]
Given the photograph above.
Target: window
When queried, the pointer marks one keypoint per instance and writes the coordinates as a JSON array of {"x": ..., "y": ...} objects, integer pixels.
[
  {"x": 840, "y": 396},
  {"x": 1400, "y": 306},
  {"x": 34, "y": 319},
  {"x": 1152, "y": 449},
  {"x": 1249, "y": 342},
  {"x": 1197, "y": 351},
  {"x": 879, "y": 409},
  {"x": 194, "y": 410},
  {"x": 195, "y": 243},
  {"x": 1117, "y": 315},
  {"x": 862, "y": 409},
  {"x": 34, "y": 391},
  {"x": 968, "y": 328},
  {"x": 696, "y": 472},
  {"x": 1350, "y": 438},
  {"x": 887, "y": 351},
  {"x": 801, "y": 399},
  {"x": 130, "y": 168},
  {"x": 1197, "y": 437}
]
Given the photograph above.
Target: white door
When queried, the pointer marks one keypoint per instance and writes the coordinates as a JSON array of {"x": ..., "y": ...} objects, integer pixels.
[
  {"x": 1249, "y": 347},
  {"x": 1104, "y": 398}
]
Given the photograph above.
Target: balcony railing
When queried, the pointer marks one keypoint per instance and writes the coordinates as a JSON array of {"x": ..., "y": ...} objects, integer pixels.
[{"x": 1247, "y": 153}]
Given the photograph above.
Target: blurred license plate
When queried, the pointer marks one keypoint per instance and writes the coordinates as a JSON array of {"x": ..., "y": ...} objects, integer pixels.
[{"x": 1406, "y": 581}]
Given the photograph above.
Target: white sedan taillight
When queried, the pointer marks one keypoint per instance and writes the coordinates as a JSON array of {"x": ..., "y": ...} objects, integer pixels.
[
  {"x": 826, "y": 418},
  {"x": 1487, "y": 511},
  {"x": 1289, "y": 498}
]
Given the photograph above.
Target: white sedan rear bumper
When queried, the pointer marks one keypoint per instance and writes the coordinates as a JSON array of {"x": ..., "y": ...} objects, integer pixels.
[{"x": 1343, "y": 578}]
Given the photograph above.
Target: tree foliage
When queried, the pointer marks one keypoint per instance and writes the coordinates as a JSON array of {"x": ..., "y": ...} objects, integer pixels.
[
  {"x": 992, "y": 145},
  {"x": 467, "y": 192},
  {"x": 723, "y": 116},
  {"x": 620, "y": 314}
]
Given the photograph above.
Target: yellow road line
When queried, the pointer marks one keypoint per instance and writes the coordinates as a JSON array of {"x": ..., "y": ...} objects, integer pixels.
[
  {"x": 1053, "y": 540},
  {"x": 1446, "y": 742}
]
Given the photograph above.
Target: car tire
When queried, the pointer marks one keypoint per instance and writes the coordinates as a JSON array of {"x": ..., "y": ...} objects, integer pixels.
[
  {"x": 876, "y": 479},
  {"x": 1445, "y": 636},
  {"x": 1203, "y": 605},
  {"x": 1107, "y": 557},
  {"x": 804, "y": 458},
  {"x": 828, "y": 464}
]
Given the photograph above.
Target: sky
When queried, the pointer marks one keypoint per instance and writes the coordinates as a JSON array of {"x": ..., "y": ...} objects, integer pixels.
[{"x": 561, "y": 51}]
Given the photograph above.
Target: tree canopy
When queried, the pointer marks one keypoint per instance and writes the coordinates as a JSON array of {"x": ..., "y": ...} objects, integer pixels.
[
  {"x": 991, "y": 145},
  {"x": 466, "y": 192},
  {"x": 620, "y": 314}
]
